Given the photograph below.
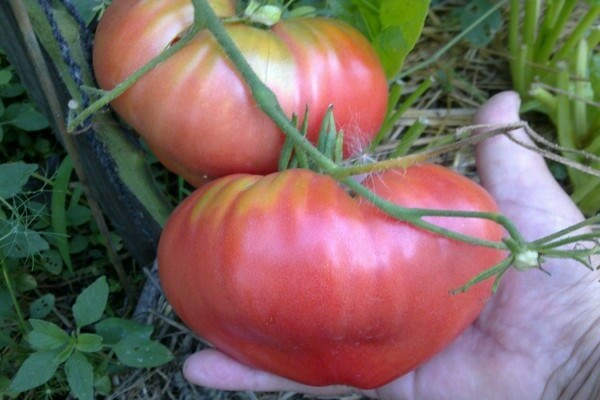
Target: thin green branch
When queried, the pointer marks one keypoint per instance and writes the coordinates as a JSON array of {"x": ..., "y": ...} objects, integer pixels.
[
  {"x": 127, "y": 83},
  {"x": 567, "y": 231}
]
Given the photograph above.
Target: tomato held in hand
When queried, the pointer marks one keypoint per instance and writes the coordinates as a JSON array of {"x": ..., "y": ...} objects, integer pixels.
[
  {"x": 290, "y": 274},
  {"x": 198, "y": 115}
]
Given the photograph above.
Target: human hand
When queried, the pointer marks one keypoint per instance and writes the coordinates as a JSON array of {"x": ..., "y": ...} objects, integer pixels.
[{"x": 528, "y": 341}]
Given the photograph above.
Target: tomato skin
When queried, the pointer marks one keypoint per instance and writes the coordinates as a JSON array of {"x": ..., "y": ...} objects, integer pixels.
[
  {"x": 290, "y": 274},
  {"x": 196, "y": 113}
]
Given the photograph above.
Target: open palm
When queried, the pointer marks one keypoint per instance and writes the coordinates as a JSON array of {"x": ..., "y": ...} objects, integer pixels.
[{"x": 526, "y": 344}]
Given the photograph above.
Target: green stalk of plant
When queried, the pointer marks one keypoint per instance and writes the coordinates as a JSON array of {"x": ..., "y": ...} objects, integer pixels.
[
  {"x": 553, "y": 76},
  {"x": 394, "y": 114},
  {"x": 581, "y": 84},
  {"x": 578, "y": 34},
  {"x": 558, "y": 18},
  {"x": 532, "y": 10},
  {"x": 409, "y": 137},
  {"x": 204, "y": 17}
]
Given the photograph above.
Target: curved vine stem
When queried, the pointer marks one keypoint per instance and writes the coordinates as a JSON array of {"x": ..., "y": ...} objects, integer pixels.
[
  {"x": 126, "y": 84},
  {"x": 267, "y": 101},
  {"x": 205, "y": 18}
]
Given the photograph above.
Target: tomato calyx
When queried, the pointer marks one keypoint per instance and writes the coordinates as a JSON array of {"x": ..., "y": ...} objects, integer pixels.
[
  {"x": 330, "y": 144},
  {"x": 257, "y": 12},
  {"x": 526, "y": 259}
]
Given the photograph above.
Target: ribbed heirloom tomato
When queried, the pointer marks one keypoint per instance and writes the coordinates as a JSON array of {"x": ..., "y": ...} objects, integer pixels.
[
  {"x": 194, "y": 110},
  {"x": 289, "y": 273}
]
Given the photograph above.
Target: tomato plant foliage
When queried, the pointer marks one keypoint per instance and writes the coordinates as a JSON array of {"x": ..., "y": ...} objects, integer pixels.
[{"x": 291, "y": 267}]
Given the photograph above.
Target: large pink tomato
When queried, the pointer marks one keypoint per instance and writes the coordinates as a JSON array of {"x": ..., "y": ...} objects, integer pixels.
[
  {"x": 195, "y": 111},
  {"x": 289, "y": 273}
]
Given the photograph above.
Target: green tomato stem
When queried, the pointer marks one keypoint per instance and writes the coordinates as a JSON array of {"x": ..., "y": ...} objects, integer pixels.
[
  {"x": 267, "y": 101},
  {"x": 567, "y": 231},
  {"x": 265, "y": 98},
  {"x": 127, "y": 83}
]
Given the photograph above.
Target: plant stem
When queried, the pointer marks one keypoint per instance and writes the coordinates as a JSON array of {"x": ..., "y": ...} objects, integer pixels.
[
  {"x": 11, "y": 292},
  {"x": 581, "y": 84},
  {"x": 395, "y": 116},
  {"x": 593, "y": 38},
  {"x": 267, "y": 101},
  {"x": 265, "y": 98},
  {"x": 547, "y": 42},
  {"x": 577, "y": 35},
  {"x": 522, "y": 78},
  {"x": 546, "y": 99},
  {"x": 409, "y": 137},
  {"x": 127, "y": 83},
  {"x": 532, "y": 10}
]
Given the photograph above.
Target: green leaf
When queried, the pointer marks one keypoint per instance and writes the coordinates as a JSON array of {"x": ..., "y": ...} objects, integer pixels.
[
  {"x": 5, "y": 76},
  {"x": 482, "y": 34},
  {"x": 16, "y": 241},
  {"x": 37, "y": 369},
  {"x": 141, "y": 353},
  {"x": 78, "y": 215},
  {"x": 80, "y": 375},
  {"x": 11, "y": 90},
  {"x": 90, "y": 304},
  {"x": 52, "y": 262},
  {"x": 46, "y": 335},
  {"x": 13, "y": 176},
  {"x": 25, "y": 282},
  {"x": 115, "y": 329},
  {"x": 401, "y": 24},
  {"x": 103, "y": 385},
  {"x": 42, "y": 306},
  {"x": 24, "y": 116},
  {"x": 89, "y": 343}
]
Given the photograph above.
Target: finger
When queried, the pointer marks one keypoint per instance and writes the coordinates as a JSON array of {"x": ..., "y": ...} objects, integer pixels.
[{"x": 211, "y": 368}]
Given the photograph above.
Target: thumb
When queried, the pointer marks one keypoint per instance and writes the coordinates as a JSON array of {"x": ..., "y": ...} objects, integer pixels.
[
  {"x": 517, "y": 177},
  {"x": 502, "y": 163}
]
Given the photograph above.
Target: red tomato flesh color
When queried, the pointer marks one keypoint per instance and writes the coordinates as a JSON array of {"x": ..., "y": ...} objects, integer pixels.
[{"x": 290, "y": 274}]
